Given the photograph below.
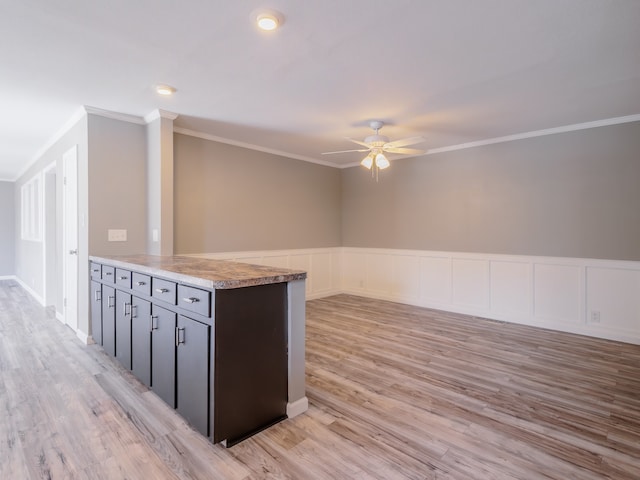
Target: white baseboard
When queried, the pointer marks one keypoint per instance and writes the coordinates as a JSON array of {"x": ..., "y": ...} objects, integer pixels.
[
  {"x": 84, "y": 338},
  {"x": 296, "y": 408},
  {"x": 30, "y": 291}
]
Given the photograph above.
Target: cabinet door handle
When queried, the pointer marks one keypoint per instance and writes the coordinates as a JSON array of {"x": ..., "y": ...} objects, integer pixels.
[
  {"x": 162, "y": 290},
  {"x": 140, "y": 283},
  {"x": 98, "y": 296},
  {"x": 124, "y": 307},
  {"x": 178, "y": 341},
  {"x": 123, "y": 277},
  {"x": 132, "y": 307},
  {"x": 191, "y": 299},
  {"x": 109, "y": 303},
  {"x": 154, "y": 326}
]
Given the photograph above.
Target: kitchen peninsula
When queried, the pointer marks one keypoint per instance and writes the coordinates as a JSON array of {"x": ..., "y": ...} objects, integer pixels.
[{"x": 220, "y": 341}]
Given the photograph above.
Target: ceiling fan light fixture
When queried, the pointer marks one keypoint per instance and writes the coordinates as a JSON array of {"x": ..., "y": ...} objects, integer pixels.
[
  {"x": 381, "y": 161},
  {"x": 367, "y": 161}
]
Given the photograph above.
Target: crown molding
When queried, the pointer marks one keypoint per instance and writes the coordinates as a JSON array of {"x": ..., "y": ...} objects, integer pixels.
[
  {"x": 79, "y": 114},
  {"x": 159, "y": 113},
  {"x": 235, "y": 143},
  {"x": 539, "y": 133},
  {"x": 124, "y": 117}
]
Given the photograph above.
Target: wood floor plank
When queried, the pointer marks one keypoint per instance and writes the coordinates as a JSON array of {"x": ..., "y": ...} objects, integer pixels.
[{"x": 395, "y": 391}]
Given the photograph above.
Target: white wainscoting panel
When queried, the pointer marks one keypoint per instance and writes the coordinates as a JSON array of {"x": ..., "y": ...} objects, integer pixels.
[
  {"x": 547, "y": 292},
  {"x": 613, "y": 298},
  {"x": 558, "y": 292},
  {"x": 406, "y": 277},
  {"x": 511, "y": 288},
  {"x": 471, "y": 284},
  {"x": 600, "y": 298},
  {"x": 379, "y": 274},
  {"x": 435, "y": 280}
]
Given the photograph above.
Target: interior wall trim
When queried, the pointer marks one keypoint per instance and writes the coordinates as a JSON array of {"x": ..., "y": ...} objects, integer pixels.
[{"x": 593, "y": 297}]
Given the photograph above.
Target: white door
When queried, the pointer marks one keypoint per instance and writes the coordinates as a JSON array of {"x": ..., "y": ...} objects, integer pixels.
[{"x": 70, "y": 242}]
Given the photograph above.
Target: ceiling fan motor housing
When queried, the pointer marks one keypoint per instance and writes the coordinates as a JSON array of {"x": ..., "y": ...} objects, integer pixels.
[{"x": 376, "y": 140}]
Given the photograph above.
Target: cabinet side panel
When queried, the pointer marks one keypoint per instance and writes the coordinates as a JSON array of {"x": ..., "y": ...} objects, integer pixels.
[{"x": 250, "y": 360}]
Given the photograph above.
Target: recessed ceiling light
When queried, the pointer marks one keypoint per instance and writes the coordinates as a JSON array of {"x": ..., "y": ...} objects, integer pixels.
[
  {"x": 269, "y": 20},
  {"x": 165, "y": 90}
]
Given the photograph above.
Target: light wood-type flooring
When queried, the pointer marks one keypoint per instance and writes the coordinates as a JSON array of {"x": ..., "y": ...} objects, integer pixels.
[{"x": 395, "y": 392}]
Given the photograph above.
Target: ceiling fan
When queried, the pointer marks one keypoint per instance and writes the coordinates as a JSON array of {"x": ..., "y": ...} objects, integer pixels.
[{"x": 377, "y": 145}]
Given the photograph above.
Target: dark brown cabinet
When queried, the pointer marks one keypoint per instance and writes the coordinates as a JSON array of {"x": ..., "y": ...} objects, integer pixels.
[
  {"x": 218, "y": 356},
  {"x": 96, "y": 311},
  {"x": 192, "y": 376},
  {"x": 141, "y": 339},
  {"x": 123, "y": 328},
  {"x": 163, "y": 354},
  {"x": 109, "y": 319}
]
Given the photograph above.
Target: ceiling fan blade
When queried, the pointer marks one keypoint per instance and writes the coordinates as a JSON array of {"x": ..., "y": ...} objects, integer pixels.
[
  {"x": 357, "y": 141},
  {"x": 404, "y": 142},
  {"x": 404, "y": 151},
  {"x": 345, "y": 151}
]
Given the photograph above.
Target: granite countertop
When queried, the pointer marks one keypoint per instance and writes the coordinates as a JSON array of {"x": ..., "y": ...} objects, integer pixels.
[{"x": 203, "y": 272}]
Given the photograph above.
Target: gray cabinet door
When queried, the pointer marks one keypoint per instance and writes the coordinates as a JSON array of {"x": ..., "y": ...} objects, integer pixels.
[
  {"x": 193, "y": 372},
  {"x": 141, "y": 340},
  {"x": 109, "y": 319},
  {"x": 96, "y": 312},
  {"x": 123, "y": 328},
  {"x": 163, "y": 354}
]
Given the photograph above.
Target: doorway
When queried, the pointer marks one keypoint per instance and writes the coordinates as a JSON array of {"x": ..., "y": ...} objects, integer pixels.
[{"x": 70, "y": 237}]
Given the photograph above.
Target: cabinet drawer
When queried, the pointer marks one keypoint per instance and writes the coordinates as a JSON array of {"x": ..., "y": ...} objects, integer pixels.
[
  {"x": 194, "y": 300},
  {"x": 108, "y": 274},
  {"x": 141, "y": 283},
  {"x": 123, "y": 278},
  {"x": 96, "y": 271},
  {"x": 164, "y": 290}
]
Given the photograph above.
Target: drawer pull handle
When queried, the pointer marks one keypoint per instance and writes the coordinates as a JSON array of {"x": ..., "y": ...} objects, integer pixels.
[
  {"x": 141, "y": 283},
  {"x": 95, "y": 270},
  {"x": 123, "y": 277},
  {"x": 178, "y": 340},
  {"x": 108, "y": 273},
  {"x": 191, "y": 299},
  {"x": 162, "y": 290}
]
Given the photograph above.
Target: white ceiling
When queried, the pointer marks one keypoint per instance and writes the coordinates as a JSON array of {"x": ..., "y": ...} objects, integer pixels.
[{"x": 455, "y": 71}]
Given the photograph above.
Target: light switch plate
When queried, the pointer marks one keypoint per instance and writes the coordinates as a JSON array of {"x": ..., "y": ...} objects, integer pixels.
[{"x": 117, "y": 235}]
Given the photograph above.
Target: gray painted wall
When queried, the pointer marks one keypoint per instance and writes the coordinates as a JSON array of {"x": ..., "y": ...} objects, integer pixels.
[
  {"x": 29, "y": 254},
  {"x": 7, "y": 229},
  {"x": 229, "y": 198},
  {"x": 573, "y": 194},
  {"x": 117, "y": 185}
]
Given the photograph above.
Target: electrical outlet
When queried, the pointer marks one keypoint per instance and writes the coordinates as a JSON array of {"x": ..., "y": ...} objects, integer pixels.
[
  {"x": 117, "y": 235},
  {"x": 595, "y": 316}
]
